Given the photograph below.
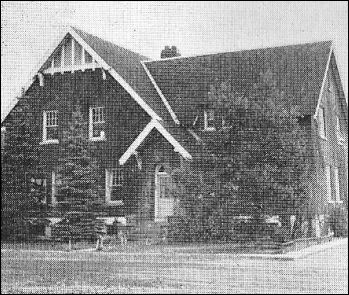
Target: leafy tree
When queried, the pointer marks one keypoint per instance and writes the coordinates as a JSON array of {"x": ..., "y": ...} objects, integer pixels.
[
  {"x": 257, "y": 159},
  {"x": 19, "y": 165},
  {"x": 261, "y": 148}
]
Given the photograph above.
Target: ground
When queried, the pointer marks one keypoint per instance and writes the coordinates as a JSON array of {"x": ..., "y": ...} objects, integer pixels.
[{"x": 25, "y": 271}]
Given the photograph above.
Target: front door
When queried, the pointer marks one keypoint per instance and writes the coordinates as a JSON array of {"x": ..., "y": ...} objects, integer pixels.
[{"x": 163, "y": 199}]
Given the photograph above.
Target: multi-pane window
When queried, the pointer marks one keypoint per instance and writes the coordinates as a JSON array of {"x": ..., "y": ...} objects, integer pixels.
[
  {"x": 322, "y": 123},
  {"x": 209, "y": 118},
  {"x": 97, "y": 123},
  {"x": 114, "y": 190},
  {"x": 50, "y": 131},
  {"x": 117, "y": 178}
]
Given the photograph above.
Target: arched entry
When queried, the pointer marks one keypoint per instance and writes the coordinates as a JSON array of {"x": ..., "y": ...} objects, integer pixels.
[{"x": 163, "y": 198}]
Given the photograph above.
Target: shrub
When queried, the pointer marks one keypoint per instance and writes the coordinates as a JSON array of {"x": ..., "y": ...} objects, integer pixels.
[{"x": 338, "y": 221}]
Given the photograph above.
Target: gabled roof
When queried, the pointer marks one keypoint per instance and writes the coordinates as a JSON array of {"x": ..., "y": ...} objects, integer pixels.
[
  {"x": 123, "y": 64},
  {"x": 127, "y": 64},
  {"x": 299, "y": 70}
]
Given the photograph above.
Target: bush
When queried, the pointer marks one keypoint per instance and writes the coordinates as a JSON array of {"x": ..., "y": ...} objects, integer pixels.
[{"x": 338, "y": 221}]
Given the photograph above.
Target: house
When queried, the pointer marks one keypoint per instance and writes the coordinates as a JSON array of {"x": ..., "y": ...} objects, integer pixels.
[{"x": 148, "y": 117}]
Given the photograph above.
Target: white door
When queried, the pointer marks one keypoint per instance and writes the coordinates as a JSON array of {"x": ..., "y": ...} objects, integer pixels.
[{"x": 163, "y": 200}]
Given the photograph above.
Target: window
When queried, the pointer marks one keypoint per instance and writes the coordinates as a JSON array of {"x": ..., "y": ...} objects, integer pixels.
[
  {"x": 114, "y": 183},
  {"x": 336, "y": 182},
  {"x": 209, "y": 120},
  {"x": 328, "y": 183},
  {"x": 322, "y": 123},
  {"x": 97, "y": 123},
  {"x": 340, "y": 137},
  {"x": 50, "y": 126},
  {"x": 117, "y": 177}
]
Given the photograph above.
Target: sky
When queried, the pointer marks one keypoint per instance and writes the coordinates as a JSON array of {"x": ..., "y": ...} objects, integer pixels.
[{"x": 29, "y": 28}]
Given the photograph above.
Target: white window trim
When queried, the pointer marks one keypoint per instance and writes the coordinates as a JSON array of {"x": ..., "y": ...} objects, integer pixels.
[
  {"x": 112, "y": 177},
  {"x": 108, "y": 187},
  {"x": 44, "y": 130},
  {"x": 206, "y": 127},
  {"x": 91, "y": 137}
]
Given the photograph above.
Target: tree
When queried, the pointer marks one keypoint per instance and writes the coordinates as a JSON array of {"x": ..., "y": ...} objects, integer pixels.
[
  {"x": 261, "y": 148},
  {"x": 19, "y": 165},
  {"x": 256, "y": 164},
  {"x": 78, "y": 179}
]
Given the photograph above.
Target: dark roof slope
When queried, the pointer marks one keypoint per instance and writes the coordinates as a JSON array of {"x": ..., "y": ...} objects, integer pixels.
[
  {"x": 128, "y": 65},
  {"x": 299, "y": 70}
]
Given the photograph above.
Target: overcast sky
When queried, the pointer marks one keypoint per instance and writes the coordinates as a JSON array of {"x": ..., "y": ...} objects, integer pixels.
[{"x": 29, "y": 28}]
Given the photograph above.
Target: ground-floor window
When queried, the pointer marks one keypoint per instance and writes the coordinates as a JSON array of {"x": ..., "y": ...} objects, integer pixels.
[{"x": 114, "y": 186}]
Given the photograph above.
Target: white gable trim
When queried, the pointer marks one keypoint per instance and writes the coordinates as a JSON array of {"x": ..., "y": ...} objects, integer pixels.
[
  {"x": 323, "y": 83},
  {"x": 115, "y": 75},
  {"x": 104, "y": 65},
  {"x": 137, "y": 142},
  {"x": 162, "y": 96},
  {"x": 140, "y": 138}
]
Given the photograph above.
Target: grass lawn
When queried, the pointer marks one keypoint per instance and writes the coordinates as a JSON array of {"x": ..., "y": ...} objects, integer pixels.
[{"x": 43, "y": 272}]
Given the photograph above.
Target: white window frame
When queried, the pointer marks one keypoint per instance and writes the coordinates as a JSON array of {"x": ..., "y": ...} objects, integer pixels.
[
  {"x": 322, "y": 123},
  {"x": 108, "y": 188},
  {"x": 328, "y": 183},
  {"x": 92, "y": 122},
  {"x": 207, "y": 127},
  {"x": 117, "y": 177},
  {"x": 48, "y": 123}
]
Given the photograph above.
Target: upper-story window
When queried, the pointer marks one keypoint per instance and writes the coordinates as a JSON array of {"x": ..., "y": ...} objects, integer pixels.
[
  {"x": 340, "y": 137},
  {"x": 322, "y": 123},
  {"x": 50, "y": 126},
  {"x": 209, "y": 120},
  {"x": 97, "y": 123}
]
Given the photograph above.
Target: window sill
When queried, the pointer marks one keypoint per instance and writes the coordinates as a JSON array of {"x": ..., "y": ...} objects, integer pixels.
[
  {"x": 115, "y": 203},
  {"x": 49, "y": 141},
  {"x": 98, "y": 139}
]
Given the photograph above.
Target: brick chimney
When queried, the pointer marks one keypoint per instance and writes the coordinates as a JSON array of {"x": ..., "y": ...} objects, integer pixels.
[{"x": 170, "y": 52}]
